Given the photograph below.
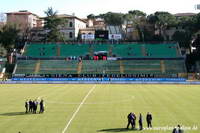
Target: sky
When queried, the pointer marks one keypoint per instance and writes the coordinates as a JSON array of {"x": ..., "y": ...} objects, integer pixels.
[{"x": 82, "y": 8}]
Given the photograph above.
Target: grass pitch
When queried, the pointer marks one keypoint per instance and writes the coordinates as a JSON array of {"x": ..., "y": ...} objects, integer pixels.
[{"x": 98, "y": 108}]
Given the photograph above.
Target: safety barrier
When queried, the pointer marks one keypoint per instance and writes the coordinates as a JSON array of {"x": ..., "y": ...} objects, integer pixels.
[
  {"x": 100, "y": 81},
  {"x": 103, "y": 79}
]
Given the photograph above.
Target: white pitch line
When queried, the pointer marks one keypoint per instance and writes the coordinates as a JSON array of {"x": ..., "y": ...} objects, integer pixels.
[{"x": 74, "y": 114}]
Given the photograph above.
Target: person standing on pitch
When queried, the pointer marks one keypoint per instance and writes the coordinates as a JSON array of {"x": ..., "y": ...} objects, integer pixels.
[
  {"x": 26, "y": 106},
  {"x": 30, "y": 106},
  {"x": 134, "y": 121},
  {"x": 179, "y": 129},
  {"x": 149, "y": 119},
  {"x": 41, "y": 106},
  {"x": 175, "y": 130},
  {"x": 140, "y": 122},
  {"x": 130, "y": 120},
  {"x": 35, "y": 107}
]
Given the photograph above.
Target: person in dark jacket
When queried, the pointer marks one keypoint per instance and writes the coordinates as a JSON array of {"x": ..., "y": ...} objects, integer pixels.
[
  {"x": 26, "y": 106},
  {"x": 180, "y": 130},
  {"x": 35, "y": 104},
  {"x": 140, "y": 122},
  {"x": 130, "y": 120},
  {"x": 149, "y": 120},
  {"x": 30, "y": 106},
  {"x": 134, "y": 121},
  {"x": 175, "y": 130},
  {"x": 41, "y": 106}
]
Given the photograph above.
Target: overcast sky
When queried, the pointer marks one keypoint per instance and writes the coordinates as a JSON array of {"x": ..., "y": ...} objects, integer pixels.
[{"x": 82, "y": 8}]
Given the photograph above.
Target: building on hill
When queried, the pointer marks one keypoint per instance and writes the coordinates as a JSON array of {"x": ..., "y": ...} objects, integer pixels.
[
  {"x": 25, "y": 22},
  {"x": 70, "y": 30},
  {"x": 98, "y": 23},
  {"x": 40, "y": 23},
  {"x": 74, "y": 24},
  {"x": 88, "y": 33},
  {"x": 37, "y": 34},
  {"x": 24, "y": 19},
  {"x": 89, "y": 22},
  {"x": 184, "y": 14}
]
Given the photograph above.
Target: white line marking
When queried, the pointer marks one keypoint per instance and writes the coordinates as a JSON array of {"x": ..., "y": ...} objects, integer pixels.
[{"x": 74, "y": 114}]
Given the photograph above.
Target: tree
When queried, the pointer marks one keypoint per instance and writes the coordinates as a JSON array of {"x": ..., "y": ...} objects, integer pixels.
[
  {"x": 183, "y": 38},
  {"x": 185, "y": 21},
  {"x": 138, "y": 20},
  {"x": 152, "y": 19},
  {"x": 9, "y": 36},
  {"x": 137, "y": 13},
  {"x": 113, "y": 18},
  {"x": 100, "y": 16},
  {"x": 196, "y": 22},
  {"x": 162, "y": 20},
  {"x": 53, "y": 24},
  {"x": 91, "y": 16}
]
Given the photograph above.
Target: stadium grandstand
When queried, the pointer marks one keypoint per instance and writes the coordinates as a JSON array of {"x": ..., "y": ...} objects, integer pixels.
[{"x": 151, "y": 60}]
